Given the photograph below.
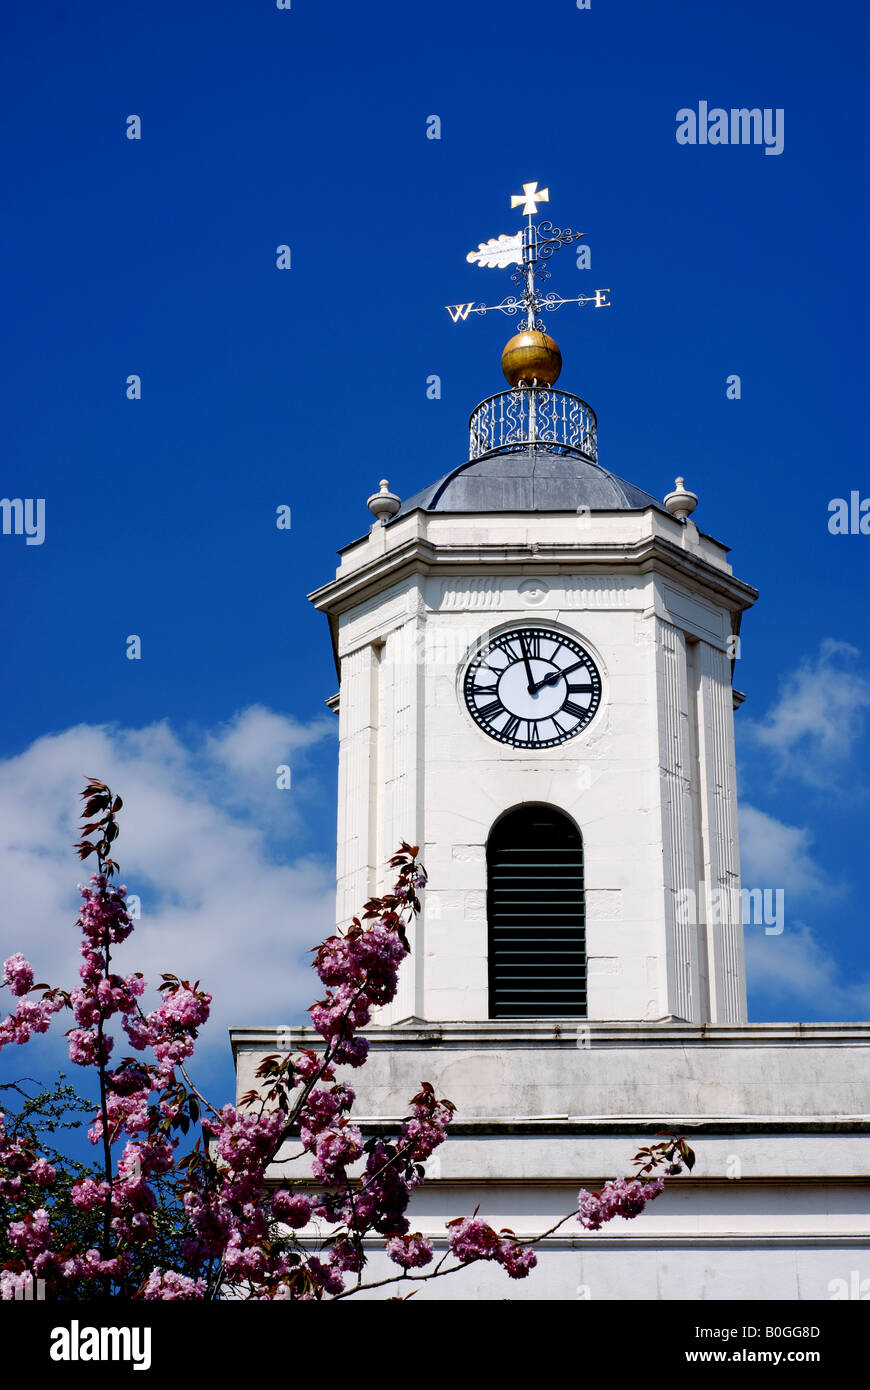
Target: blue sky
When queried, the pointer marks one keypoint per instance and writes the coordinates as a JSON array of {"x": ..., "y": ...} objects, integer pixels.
[{"x": 263, "y": 387}]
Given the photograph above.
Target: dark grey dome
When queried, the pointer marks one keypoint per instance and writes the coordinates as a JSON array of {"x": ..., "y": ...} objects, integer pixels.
[{"x": 529, "y": 480}]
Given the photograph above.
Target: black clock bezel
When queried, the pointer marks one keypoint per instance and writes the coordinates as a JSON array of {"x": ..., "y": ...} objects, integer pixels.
[{"x": 529, "y": 744}]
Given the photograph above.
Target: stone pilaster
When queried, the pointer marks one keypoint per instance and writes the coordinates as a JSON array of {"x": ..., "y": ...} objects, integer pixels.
[
  {"x": 678, "y": 858},
  {"x": 724, "y": 928}
]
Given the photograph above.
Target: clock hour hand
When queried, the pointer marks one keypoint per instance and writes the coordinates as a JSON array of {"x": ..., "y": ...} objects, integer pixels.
[{"x": 553, "y": 677}]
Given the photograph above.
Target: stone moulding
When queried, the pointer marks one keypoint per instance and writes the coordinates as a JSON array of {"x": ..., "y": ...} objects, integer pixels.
[{"x": 497, "y": 1034}]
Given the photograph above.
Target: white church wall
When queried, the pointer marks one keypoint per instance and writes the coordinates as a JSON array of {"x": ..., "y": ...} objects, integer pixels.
[
  {"x": 692, "y": 1271},
  {"x": 777, "y": 1206},
  {"x": 556, "y": 1070}
]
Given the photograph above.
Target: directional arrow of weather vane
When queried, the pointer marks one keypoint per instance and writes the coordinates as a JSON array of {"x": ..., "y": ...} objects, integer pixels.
[{"x": 529, "y": 250}]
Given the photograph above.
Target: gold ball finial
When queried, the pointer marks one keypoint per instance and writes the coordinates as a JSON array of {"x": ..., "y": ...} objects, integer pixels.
[{"x": 531, "y": 356}]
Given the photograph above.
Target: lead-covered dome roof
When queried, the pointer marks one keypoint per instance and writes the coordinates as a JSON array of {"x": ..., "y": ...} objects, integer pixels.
[{"x": 529, "y": 480}]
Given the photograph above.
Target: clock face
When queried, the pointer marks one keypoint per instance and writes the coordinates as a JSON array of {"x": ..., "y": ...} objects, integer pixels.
[{"x": 532, "y": 688}]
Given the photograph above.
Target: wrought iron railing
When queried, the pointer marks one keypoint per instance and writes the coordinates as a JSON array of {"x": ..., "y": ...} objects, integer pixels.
[{"x": 534, "y": 415}]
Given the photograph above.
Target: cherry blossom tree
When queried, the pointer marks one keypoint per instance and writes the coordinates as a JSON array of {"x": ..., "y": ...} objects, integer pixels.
[{"x": 246, "y": 1235}]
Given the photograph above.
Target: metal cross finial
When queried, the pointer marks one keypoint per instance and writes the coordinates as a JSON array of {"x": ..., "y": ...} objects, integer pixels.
[
  {"x": 528, "y": 251},
  {"x": 530, "y": 198}
]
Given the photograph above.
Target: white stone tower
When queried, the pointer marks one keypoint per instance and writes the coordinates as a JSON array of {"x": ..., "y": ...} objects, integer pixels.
[{"x": 529, "y": 547}]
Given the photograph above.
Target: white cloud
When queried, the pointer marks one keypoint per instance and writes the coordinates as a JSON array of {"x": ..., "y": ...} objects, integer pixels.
[
  {"x": 811, "y": 734},
  {"x": 795, "y": 970},
  {"x": 256, "y": 741},
  {"x": 818, "y": 718},
  {"x": 776, "y": 855},
  {"x": 197, "y": 844},
  {"x": 790, "y": 970}
]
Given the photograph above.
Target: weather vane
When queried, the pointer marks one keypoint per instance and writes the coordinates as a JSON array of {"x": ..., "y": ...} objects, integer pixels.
[{"x": 528, "y": 250}]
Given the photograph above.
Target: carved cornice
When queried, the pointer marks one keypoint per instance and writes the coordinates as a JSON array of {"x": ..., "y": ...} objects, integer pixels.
[{"x": 418, "y": 555}]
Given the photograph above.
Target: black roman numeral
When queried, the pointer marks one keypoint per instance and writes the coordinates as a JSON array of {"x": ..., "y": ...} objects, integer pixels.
[
  {"x": 511, "y": 726},
  {"x": 577, "y": 710},
  {"x": 491, "y": 711}
]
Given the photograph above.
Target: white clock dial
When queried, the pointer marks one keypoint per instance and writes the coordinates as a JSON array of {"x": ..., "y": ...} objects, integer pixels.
[{"x": 532, "y": 687}]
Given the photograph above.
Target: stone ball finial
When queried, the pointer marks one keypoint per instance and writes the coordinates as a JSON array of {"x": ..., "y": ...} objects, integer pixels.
[
  {"x": 681, "y": 503},
  {"x": 384, "y": 504}
]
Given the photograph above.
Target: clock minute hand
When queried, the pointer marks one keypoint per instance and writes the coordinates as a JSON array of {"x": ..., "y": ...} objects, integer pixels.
[
  {"x": 524, "y": 650},
  {"x": 554, "y": 676}
]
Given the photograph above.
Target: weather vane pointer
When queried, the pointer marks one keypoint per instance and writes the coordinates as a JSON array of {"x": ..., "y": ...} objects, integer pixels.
[{"x": 528, "y": 250}]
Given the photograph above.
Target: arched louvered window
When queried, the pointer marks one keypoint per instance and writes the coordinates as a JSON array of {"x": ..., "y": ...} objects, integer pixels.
[{"x": 537, "y": 927}]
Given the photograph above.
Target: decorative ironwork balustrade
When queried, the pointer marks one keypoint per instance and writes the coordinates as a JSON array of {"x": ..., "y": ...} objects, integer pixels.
[{"x": 534, "y": 415}]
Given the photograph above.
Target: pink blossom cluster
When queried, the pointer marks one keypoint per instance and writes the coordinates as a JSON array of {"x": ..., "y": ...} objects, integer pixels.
[
  {"x": 104, "y": 922},
  {"x": 19, "y": 1165},
  {"x": 89, "y": 1193},
  {"x": 169, "y": 1030},
  {"x": 346, "y": 1254},
  {"x": 517, "y": 1260},
  {"x": 31, "y": 1236},
  {"x": 361, "y": 970},
  {"x": 169, "y": 1286},
  {"x": 16, "y": 1285},
  {"x": 231, "y": 1221},
  {"x": 471, "y": 1239},
  {"x": 392, "y": 1169},
  {"x": 410, "y": 1251},
  {"x": 324, "y": 1276},
  {"x": 31, "y": 1015},
  {"x": 87, "y": 1049},
  {"x": 379, "y": 1199},
  {"x": 293, "y": 1208},
  {"x": 367, "y": 956},
  {"x": 103, "y": 917},
  {"x": 333, "y": 1150},
  {"x": 91, "y": 1265},
  {"x": 624, "y": 1197},
  {"x": 427, "y": 1126},
  {"x": 18, "y": 974},
  {"x": 42, "y": 1172}
]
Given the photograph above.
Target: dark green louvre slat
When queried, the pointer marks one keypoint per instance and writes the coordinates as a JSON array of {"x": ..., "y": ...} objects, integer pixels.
[{"x": 536, "y": 911}]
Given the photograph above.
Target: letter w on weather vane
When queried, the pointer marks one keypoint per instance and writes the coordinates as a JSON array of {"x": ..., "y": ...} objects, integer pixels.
[{"x": 528, "y": 250}]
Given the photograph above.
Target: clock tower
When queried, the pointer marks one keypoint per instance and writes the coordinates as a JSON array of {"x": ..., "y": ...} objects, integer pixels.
[
  {"x": 533, "y": 631},
  {"x": 535, "y": 660},
  {"x": 533, "y": 636}
]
